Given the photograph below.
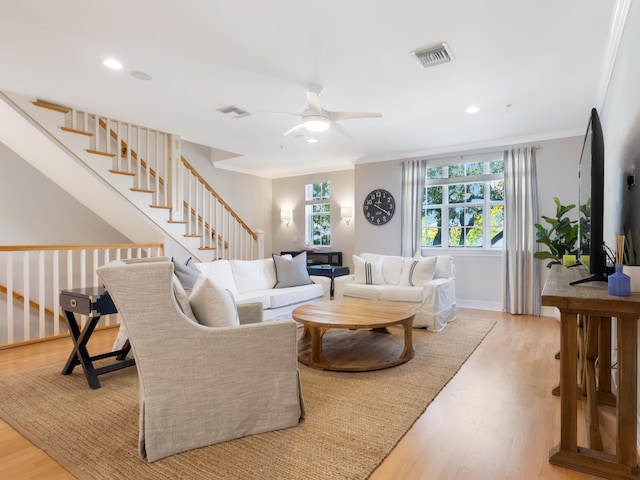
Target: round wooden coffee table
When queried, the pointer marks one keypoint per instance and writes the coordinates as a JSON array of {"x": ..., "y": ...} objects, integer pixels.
[{"x": 352, "y": 349}]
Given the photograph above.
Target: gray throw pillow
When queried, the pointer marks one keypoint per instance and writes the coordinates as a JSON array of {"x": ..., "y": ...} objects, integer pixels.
[
  {"x": 291, "y": 272},
  {"x": 186, "y": 275}
]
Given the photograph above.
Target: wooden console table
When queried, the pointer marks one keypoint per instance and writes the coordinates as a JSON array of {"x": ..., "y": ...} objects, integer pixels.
[{"x": 592, "y": 302}]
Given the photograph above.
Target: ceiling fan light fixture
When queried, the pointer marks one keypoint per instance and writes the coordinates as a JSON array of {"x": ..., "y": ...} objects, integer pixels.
[{"x": 316, "y": 123}]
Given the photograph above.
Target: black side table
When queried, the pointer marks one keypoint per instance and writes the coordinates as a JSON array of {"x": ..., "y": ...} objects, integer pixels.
[
  {"x": 328, "y": 271},
  {"x": 92, "y": 302}
]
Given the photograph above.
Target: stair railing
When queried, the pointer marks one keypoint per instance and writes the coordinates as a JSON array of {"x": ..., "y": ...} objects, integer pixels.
[
  {"x": 32, "y": 276},
  {"x": 153, "y": 159}
]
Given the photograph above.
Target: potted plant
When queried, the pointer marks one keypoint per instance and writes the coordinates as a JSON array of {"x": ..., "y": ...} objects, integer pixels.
[{"x": 561, "y": 236}]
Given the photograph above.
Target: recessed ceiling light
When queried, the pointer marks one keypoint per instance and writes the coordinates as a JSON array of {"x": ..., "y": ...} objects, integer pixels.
[
  {"x": 112, "y": 63},
  {"x": 472, "y": 109},
  {"x": 312, "y": 140},
  {"x": 141, "y": 76}
]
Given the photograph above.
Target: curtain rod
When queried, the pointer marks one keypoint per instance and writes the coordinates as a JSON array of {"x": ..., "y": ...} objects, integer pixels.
[{"x": 464, "y": 155}]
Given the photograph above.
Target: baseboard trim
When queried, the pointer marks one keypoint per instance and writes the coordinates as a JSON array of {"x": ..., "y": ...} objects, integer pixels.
[{"x": 479, "y": 305}]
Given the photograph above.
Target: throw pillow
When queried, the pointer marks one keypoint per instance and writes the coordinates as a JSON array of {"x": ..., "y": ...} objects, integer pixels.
[
  {"x": 182, "y": 299},
  {"x": 417, "y": 271},
  {"x": 213, "y": 305},
  {"x": 187, "y": 275},
  {"x": 368, "y": 272},
  {"x": 291, "y": 271}
]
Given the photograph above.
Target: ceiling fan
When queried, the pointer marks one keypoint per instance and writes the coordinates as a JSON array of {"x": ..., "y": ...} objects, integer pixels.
[{"x": 316, "y": 119}]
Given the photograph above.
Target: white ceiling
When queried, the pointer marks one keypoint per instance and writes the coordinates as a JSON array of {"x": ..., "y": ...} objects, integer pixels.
[{"x": 534, "y": 68}]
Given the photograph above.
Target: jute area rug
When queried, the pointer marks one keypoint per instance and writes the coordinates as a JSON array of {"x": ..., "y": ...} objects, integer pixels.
[{"x": 353, "y": 419}]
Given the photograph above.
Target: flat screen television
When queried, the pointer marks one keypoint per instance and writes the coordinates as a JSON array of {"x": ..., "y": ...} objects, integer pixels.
[{"x": 591, "y": 250}]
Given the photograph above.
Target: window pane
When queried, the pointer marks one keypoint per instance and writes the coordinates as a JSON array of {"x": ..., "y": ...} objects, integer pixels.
[
  {"x": 473, "y": 216},
  {"x": 473, "y": 237},
  {"x": 434, "y": 195},
  {"x": 475, "y": 169},
  {"x": 497, "y": 226},
  {"x": 456, "y": 217},
  {"x": 456, "y": 171},
  {"x": 475, "y": 192},
  {"x": 456, "y": 193},
  {"x": 496, "y": 191},
  {"x": 497, "y": 166},
  {"x": 455, "y": 237},
  {"x": 435, "y": 172}
]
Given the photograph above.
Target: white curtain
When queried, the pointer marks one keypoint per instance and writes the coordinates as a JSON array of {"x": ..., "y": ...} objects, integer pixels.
[
  {"x": 522, "y": 290},
  {"x": 413, "y": 173}
]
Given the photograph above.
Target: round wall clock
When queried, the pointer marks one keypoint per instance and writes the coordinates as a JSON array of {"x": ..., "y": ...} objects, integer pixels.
[{"x": 378, "y": 207}]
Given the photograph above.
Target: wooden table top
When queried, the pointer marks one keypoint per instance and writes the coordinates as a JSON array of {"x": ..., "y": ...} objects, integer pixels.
[
  {"x": 592, "y": 297},
  {"x": 352, "y": 313}
]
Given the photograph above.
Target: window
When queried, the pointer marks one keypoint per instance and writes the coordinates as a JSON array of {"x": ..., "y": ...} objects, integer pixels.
[
  {"x": 318, "y": 214},
  {"x": 463, "y": 204}
]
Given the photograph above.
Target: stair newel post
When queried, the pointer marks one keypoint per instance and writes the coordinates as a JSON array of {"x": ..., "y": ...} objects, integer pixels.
[{"x": 156, "y": 166}]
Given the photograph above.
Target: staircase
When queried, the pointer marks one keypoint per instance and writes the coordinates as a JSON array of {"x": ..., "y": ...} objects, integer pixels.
[{"x": 145, "y": 167}]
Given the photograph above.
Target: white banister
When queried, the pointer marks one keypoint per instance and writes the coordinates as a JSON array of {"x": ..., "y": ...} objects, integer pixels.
[{"x": 32, "y": 317}]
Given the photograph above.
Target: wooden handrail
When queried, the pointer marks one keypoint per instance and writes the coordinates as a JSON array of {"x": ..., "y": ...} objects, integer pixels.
[
  {"x": 19, "y": 248},
  {"x": 219, "y": 198}
]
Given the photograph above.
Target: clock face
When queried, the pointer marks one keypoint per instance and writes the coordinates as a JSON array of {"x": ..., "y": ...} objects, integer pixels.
[{"x": 379, "y": 206}]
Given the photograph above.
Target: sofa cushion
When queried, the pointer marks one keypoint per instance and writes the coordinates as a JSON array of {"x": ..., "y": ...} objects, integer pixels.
[
  {"x": 220, "y": 272},
  {"x": 391, "y": 266},
  {"x": 291, "y": 271},
  {"x": 396, "y": 293},
  {"x": 252, "y": 275},
  {"x": 358, "y": 290},
  {"x": 186, "y": 275},
  {"x": 257, "y": 296},
  {"x": 368, "y": 272},
  {"x": 418, "y": 270},
  {"x": 213, "y": 305},
  {"x": 282, "y": 297},
  {"x": 182, "y": 298}
]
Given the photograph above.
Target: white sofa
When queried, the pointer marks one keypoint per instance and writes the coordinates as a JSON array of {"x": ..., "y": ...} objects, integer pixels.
[
  {"x": 255, "y": 280},
  {"x": 427, "y": 285}
]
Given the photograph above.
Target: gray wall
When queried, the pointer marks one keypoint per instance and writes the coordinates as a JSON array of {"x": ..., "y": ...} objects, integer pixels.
[
  {"x": 36, "y": 211},
  {"x": 479, "y": 278},
  {"x": 289, "y": 194}
]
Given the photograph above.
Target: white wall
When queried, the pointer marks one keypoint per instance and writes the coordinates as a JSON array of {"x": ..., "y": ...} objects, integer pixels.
[
  {"x": 248, "y": 195},
  {"x": 36, "y": 211},
  {"x": 289, "y": 194}
]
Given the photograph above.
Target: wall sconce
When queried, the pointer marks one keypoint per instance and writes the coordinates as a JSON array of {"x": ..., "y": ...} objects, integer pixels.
[
  {"x": 346, "y": 213},
  {"x": 285, "y": 216}
]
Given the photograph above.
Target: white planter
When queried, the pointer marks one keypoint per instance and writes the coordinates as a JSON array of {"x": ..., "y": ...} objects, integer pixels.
[{"x": 634, "y": 274}]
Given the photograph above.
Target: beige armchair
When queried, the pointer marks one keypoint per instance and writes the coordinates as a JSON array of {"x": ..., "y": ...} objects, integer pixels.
[{"x": 201, "y": 385}]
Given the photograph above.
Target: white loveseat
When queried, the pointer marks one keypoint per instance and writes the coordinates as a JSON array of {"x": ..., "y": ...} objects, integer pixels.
[
  {"x": 427, "y": 285},
  {"x": 255, "y": 281}
]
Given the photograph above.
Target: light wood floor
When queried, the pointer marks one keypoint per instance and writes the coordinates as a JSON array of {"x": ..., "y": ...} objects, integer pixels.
[{"x": 495, "y": 420}]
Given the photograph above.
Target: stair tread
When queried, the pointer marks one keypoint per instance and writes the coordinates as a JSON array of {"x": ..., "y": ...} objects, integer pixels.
[
  {"x": 98, "y": 152},
  {"x": 207, "y": 248},
  {"x": 120, "y": 172},
  {"x": 161, "y": 206},
  {"x": 142, "y": 190},
  {"x": 51, "y": 106},
  {"x": 184, "y": 222},
  {"x": 80, "y": 132},
  {"x": 192, "y": 235}
]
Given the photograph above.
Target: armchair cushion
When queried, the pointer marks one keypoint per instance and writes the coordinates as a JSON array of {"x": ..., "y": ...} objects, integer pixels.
[
  {"x": 291, "y": 271},
  {"x": 212, "y": 305}
]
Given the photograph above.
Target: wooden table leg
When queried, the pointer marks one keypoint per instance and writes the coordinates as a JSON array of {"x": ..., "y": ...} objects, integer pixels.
[
  {"x": 627, "y": 393},
  {"x": 591, "y": 325},
  {"x": 568, "y": 384}
]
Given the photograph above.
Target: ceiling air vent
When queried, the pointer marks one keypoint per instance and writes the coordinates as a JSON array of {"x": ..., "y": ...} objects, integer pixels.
[
  {"x": 434, "y": 55},
  {"x": 234, "y": 112}
]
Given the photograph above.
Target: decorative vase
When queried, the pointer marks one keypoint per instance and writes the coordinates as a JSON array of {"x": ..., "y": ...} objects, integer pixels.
[
  {"x": 633, "y": 271},
  {"x": 619, "y": 283}
]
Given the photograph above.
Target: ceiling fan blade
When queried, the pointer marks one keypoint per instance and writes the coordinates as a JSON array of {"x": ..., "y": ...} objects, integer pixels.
[
  {"x": 336, "y": 116},
  {"x": 291, "y": 130},
  {"x": 314, "y": 102},
  {"x": 288, "y": 114},
  {"x": 338, "y": 128}
]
